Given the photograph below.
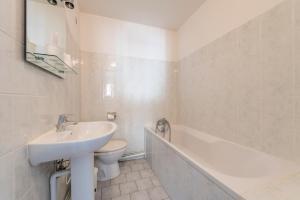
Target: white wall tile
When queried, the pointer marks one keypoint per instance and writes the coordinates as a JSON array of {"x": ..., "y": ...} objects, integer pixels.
[
  {"x": 30, "y": 102},
  {"x": 6, "y": 125},
  {"x": 12, "y": 18},
  {"x": 244, "y": 86},
  {"x": 22, "y": 173},
  {"x": 6, "y": 177},
  {"x": 144, "y": 91}
]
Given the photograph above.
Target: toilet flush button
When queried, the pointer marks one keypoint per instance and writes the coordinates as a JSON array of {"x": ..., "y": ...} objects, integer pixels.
[{"x": 111, "y": 116}]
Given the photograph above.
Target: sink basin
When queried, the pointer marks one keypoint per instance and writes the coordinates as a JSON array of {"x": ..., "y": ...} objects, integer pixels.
[
  {"x": 77, "y": 143},
  {"x": 85, "y": 137}
]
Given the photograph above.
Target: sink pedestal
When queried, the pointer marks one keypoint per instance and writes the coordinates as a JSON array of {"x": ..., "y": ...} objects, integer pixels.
[{"x": 82, "y": 177}]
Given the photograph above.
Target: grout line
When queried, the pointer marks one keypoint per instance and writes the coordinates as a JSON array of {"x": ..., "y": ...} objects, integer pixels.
[
  {"x": 293, "y": 36},
  {"x": 26, "y": 193},
  {"x": 261, "y": 76},
  {"x": 13, "y": 38},
  {"x": 14, "y": 150},
  {"x": 116, "y": 56},
  {"x": 21, "y": 94}
]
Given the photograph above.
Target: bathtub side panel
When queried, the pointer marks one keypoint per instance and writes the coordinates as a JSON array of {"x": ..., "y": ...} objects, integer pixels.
[
  {"x": 180, "y": 179},
  {"x": 148, "y": 147}
]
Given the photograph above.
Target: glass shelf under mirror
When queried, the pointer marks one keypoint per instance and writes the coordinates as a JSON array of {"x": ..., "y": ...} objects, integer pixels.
[{"x": 50, "y": 63}]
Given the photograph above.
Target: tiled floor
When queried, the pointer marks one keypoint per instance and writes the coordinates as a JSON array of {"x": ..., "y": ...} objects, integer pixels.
[{"x": 136, "y": 182}]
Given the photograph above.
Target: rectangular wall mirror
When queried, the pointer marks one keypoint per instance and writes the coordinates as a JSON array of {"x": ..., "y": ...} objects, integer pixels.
[{"x": 52, "y": 36}]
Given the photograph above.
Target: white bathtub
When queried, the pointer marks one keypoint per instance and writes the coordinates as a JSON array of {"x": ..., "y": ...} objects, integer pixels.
[{"x": 235, "y": 169}]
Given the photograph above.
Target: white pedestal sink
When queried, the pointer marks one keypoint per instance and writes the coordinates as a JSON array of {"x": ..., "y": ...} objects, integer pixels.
[{"x": 78, "y": 144}]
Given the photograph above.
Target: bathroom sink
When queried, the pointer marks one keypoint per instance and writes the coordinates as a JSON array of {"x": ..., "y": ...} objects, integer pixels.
[
  {"x": 77, "y": 143},
  {"x": 76, "y": 140}
]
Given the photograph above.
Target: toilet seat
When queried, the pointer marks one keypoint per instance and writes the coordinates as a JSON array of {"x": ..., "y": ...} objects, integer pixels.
[{"x": 112, "y": 146}]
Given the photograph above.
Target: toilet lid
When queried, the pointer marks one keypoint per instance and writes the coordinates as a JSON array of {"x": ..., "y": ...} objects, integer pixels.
[{"x": 113, "y": 145}]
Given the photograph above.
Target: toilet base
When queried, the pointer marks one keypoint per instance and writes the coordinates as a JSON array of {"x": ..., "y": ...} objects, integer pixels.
[{"x": 107, "y": 171}]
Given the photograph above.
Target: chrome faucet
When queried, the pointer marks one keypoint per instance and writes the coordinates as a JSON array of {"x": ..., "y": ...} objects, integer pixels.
[
  {"x": 163, "y": 126},
  {"x": 63, "y": 122}
]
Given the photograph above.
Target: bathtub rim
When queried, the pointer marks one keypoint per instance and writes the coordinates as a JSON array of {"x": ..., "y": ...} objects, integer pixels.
[{"x": 230, "y": 190}]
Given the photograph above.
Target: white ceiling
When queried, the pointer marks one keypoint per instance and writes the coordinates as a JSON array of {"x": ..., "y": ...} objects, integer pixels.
[{"x": 169, "y": 14}]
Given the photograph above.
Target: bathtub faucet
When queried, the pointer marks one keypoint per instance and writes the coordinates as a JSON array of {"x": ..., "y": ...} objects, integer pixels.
[{"x": 163, "y": 126}]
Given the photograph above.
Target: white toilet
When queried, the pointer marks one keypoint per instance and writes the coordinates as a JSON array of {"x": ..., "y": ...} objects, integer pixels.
[{"x": 106, "y": 159}]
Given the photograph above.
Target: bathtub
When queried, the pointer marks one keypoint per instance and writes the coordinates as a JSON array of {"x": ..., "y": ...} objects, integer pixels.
[{"x": 196, "y": 166}]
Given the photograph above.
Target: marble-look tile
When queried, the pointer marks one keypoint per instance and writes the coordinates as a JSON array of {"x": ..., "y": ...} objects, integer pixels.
[
  {"x": 155, "y": 181},
  {"x": 249, "y": 87},
  {"x": 296, "y": 148},
  {"x": 30, "y": 195},
  {"x": 17, "y": 76},
  {"x": 297, "y": 46},
  {"x": 6, "y": 177},
  {"x": 22, "y": 173},
  {"x": 137, "y": 189},
  {"x": 148, "y": 101},
  {"x": 277, "y": 65},
  {"x": 125, "y": 169},
  {"x": 30, "y": 102},
  {"x": 128, "y": 187},
  {"x": 146, "y": 166},
  {"x": 144, "y": 184},
  {"x": 40, "y": 179},
  {"x": 214, "y": 78},
  {"x": 141, "y": 161},
  {"x": 223, "y": 71},
  {"x": 98, "y": 195},
  {"x": 123, "y": 197},
  {"x": 140, "y": 195},
  {"x": 278, "y": 80},
  {"x": 8, "y": 136},
  {"x": 132, "y": 176},
  {"x": 244, "y": 86},
  {"x": 158, "y": 193},
  {"x": 110, "y": 191},
  {"x": 120, "y": 179},
  {"x": 137, "y": 167},
  {"x": 6, "y": 71},
  {"x": 25, "y": 118},
  {"x": 12, "y": 18},
  {"x": 147, "y": 173}
]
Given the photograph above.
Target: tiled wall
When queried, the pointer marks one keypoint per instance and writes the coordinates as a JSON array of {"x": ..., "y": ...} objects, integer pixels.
[
  {"x": 244, "y": 86},
  {"x": 178, "y": 177},
  {"x": 30, "y": 102},
  {"x": 124, "y": 38},
  {"x": 143, "y": 91},
  {"x": 214, "y": 18}
]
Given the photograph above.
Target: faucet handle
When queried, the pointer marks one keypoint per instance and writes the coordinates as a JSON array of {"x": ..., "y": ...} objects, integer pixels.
[
  {"x": 64, "y": 118},
  {"x": 68, "y": 116},
  {"x": 61, "y": 117},
  {"x": 60, "y": 121}
]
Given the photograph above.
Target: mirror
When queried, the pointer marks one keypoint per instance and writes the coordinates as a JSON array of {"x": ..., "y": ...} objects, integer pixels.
[{"x": 52, "y": 35}]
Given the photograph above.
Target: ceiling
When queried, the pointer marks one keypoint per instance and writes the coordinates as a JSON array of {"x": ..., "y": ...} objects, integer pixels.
[{"x": 169, "y": 14}]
